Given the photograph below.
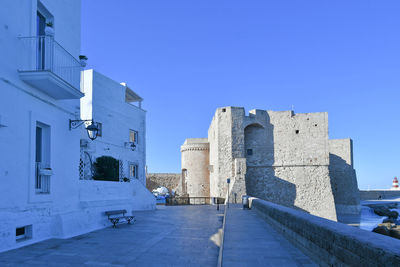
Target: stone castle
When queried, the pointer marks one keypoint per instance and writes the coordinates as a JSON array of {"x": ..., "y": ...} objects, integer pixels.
[{"x": 279, "y": 156}]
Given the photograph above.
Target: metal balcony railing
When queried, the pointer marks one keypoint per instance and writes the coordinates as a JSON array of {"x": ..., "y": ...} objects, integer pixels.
[
  {"x": 42, "y": 182},
  {"x": 194, "y": 201},
  {"x": 43, "y": 53}
]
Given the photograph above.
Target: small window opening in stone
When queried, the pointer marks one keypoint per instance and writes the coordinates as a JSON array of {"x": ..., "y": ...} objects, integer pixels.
[
  {"x": 249, "y": 152},
  {"x": 20, "y": 231},
  {"x": 224, "y": 110},
  {"x": 297, "y": 131},
  {"x": 23, "y": 233},
  {"x": 315, "y": 125}
]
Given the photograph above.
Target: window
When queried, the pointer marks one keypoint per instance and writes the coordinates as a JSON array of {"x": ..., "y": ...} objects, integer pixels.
[
  {"x": 249, "y": 152},
  {"x": 43, "y": 17},
  {"x": 23, "y": 233},
  {"x": 42, "y": 159},
  {"x": 133, "y": 171},
  {"x": 133, "y": 136}
]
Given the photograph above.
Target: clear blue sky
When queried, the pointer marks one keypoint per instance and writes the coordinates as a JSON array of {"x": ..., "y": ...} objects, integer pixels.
[{"x": 186, "y": 58}]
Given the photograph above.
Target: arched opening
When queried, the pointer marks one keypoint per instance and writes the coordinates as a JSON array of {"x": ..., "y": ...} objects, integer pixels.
[{"x": 258, "y": 145}]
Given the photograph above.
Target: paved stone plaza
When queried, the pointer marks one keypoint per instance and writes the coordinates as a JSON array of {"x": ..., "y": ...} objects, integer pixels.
[
  {"x": 169, "y": 236},
  {"x": 250, "y": 241}
]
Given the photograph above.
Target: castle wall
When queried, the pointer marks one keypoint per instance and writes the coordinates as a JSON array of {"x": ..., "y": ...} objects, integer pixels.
[
  {"x": 343, "y": 176},
  {"x": 281, "y": 157},
  {"x": 195, "y": 160},
  {"x": 287, "y": 160},
  {"x": 169, "y": 180},
  {"x": 306, "y": 188}
]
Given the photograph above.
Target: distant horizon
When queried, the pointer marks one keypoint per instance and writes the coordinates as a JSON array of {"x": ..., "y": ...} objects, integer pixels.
[{"x": 188, "y": 58}]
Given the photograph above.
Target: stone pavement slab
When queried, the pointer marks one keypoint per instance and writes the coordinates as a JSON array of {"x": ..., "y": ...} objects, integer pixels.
[
  {"x": 169, "y": 236},
  {"x": 250, "y": 241}
]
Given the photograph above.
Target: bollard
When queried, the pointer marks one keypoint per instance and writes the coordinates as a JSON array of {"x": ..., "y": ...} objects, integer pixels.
[{"x": 245, "y": 202}]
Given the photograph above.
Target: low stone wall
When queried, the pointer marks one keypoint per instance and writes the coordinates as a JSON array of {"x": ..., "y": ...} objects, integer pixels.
[
  {"x": 329, "y": 243},
  {"x": 379, "y": 194},
  {"x": 168, "y": 180}
]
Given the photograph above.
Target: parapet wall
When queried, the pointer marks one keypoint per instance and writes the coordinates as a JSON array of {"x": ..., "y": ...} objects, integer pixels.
[
  {"x": 379, "y": 194},
  {"x": 329, "y": 243},
  {"x": 168, "y": 180}
]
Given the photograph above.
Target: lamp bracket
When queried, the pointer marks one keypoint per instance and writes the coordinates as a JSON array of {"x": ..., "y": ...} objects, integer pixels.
[{"x": 73, "y": 124}]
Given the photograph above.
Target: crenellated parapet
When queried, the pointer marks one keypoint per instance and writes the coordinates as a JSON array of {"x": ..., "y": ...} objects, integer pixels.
[{"x": 195, "y": 147}]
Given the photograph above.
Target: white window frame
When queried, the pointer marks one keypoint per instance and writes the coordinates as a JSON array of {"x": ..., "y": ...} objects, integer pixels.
[
  {"x": 42, "y": 181},
  {"x": 135, "y": 136},
  {"x": 133, "y": 170}
]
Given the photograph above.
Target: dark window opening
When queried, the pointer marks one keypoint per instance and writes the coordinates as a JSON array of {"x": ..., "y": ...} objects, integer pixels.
[
  {"x": 316, "y": 125},
  {"x": 297, "y": 131},
  {"x": 20, "y": 231},
  {"x": 224, "y": 110},
  {"x": 249, "y": 152},
  {"x": 23, "y": 233}
]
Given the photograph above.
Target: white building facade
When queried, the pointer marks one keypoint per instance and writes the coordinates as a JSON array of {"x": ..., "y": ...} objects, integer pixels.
[
  {"x": 40, "y": 80},
  {"x": 122, "y": 127}
]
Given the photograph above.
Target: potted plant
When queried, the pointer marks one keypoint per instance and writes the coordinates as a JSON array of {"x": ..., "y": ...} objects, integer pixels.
[
  {"x": 82, "y": 60},
  {"x": 49, "y": 30}
]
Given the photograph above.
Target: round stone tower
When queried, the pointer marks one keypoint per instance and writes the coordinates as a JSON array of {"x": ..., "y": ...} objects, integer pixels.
[{"x": 195, "y": 172}]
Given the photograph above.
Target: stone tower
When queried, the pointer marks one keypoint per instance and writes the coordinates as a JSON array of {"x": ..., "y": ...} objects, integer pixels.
[{"x": 195, "y": 172}]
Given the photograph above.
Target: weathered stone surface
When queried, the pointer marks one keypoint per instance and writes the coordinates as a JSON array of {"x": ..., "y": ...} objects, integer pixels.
[
  {"x": 329, "y": 243},
  {"x": 306, "y": 188},
  {"x": 282, "y": 157},
  {"x": 343, "y": 176},
  {"x": 168, "y": 180},
  {"x": 195, "y": 167}
]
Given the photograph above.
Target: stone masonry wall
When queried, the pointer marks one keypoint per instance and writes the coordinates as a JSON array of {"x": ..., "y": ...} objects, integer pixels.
[
  {"x": 329, "y": 243},
  {"x": 304, "y": 188},
  {"x": 168, "y": 180},
  {"x": 287, "y": 160},
  {"x": 379, "y": 194},
  {"x": 343, "y": 176}
]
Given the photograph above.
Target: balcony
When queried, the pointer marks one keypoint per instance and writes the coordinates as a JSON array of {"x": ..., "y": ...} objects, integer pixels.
[{"x": 47, "y": 66}]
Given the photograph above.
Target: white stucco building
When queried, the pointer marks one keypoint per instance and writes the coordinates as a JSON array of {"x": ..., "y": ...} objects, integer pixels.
[
  {"x": 41, "y": 195},
  {"x": 122, "y": 132}
]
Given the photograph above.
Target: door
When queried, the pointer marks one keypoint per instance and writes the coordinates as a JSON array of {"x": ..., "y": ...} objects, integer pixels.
[{"x": 40, "y": 53}]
